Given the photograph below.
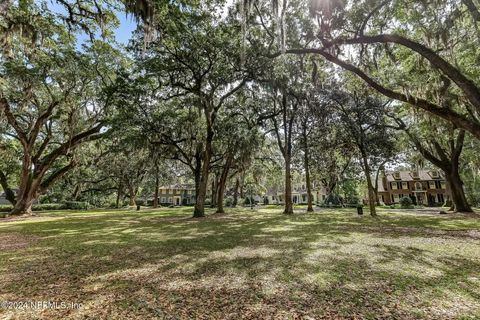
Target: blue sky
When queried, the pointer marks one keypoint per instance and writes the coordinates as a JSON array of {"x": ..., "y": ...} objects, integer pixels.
[{"x": 122, "y": 33}]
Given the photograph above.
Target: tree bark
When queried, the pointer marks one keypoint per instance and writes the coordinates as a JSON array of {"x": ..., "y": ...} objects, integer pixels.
[
  {"x": 235, "y": 192},
  {"x": 288, "y": 187},
  {"x": 9, "y": 194},
  {"x": 213, "y": 197},
  {"x": 157, "y": 186},
  {"x": 371, "y": 189},
  {"x": 460, "y": 202},
  {"x": 307, "y": 171},
  {"x": 132, "y": 195},
  {"x": 222, "y": 184},
  {"x": 199, "y": 210}
]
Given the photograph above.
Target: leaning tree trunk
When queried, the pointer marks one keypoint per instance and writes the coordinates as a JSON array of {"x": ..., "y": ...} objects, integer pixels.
[
  {"x": 28, "y": 189},
  {"x": 460, "y": 202},
  {"x": 288, "y": 187},
  {"x": 371, "y": 189}
]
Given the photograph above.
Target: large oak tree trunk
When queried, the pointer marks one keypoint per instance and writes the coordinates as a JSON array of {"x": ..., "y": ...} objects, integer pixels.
[
  {"x": 199, "y": 209},
  {"x": 28, "y": 188},
  {"x": 460, "y": 202},
  {"x": 132, "y": 195}
]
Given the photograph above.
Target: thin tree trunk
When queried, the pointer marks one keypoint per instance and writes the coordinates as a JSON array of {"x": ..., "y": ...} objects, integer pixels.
[
  {"x": 288, "y": 187},
  {"x": 235, "y": 192},
  {"x": 157, "y": 186},
  {"x": 307, "y": 176},
  {"x": 371, "y": 189},
  {"x": 213, "y": 197},
  {"x": 9, "y": 194},
  {"x": 222, "y": 183}
]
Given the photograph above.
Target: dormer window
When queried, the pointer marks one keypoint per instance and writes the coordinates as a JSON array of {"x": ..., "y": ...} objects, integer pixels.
[
  {"x": 415, "y": 175},
  {"x": 434, "y": 174},
  {"x": 396, "y": 175}
]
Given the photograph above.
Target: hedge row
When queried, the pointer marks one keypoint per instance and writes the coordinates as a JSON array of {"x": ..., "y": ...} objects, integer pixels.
[{"x": 69, "y": 205}]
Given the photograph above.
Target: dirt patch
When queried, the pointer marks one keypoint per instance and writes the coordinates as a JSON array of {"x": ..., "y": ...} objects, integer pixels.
[{"x": 15, "y": 241}]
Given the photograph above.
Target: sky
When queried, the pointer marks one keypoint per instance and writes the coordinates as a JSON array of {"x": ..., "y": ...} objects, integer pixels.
[{"x": 122, "y": 33}]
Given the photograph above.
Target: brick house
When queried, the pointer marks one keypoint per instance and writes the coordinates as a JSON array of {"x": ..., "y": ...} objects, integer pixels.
[{"x": 424, "y": 187}]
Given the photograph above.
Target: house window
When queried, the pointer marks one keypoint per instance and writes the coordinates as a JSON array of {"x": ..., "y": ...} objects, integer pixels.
[
  {"x": 404, "y": 185},
  {"x": 163, "y": 200},
  {"x": 418, "y": 186},
  {"x": 438, "y": 185},
  {"x": 432, "y": 184},
  {"x": 442, "y": 184},
  {"x": 170, "y": 200},
  {"x": 394, "y": 185},
  {"x": 440, "y": 198}
]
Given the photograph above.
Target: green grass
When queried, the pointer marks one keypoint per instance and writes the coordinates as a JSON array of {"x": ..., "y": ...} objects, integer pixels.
[{"x": 157, "y": 264}]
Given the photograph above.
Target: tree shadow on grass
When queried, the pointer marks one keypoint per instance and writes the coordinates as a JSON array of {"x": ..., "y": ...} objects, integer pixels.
[{"x": 266, "y": 265}]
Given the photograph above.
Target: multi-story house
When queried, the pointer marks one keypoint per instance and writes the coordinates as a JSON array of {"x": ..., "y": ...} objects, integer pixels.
[
  {"x": 424, "y": 187},
  {"x": 177, "y": 195},
  {"x": 276, "y": 195}
]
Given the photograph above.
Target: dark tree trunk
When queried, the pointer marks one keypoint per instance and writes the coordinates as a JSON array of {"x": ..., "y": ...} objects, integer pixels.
[
  {"x": 307, "y": 171},
  {"x": 28, "y": 188},
  {"x": 222, "y": 184},
  {"x": 213, "y": 201},
  {"x": 235, "y": 192},
  {"x": 157, "y": 185},
  {"x": 370, "y": 187},
  {"x": 199, "y": 210},
  {"x": 9, "y": 194},
  {"x": 460, "y": 202},
  {"x": 119, "y": 201},
  {"x": 132, "y": 194},
  {"x": 288, "y": 188}
]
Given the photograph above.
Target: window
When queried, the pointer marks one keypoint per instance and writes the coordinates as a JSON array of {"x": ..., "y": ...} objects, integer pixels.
[
  {"x": 170, "y": 200},
  {"x": 404, "y": 185},
  {"x": 418, "y": 186},
  {"x": 440, "y": 198},
  {"x": 442, "y": 184},
  {"x": 394, "y": 185},
  {"x": 438, "y": 185},
  {"x": 432, "y": 184},
  {"x": 163, "y": 200}
]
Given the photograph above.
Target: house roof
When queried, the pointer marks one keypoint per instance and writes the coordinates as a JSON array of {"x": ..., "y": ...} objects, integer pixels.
[
  {"x": 423, "y": 175},
  {"x": 405, "y": 176}
]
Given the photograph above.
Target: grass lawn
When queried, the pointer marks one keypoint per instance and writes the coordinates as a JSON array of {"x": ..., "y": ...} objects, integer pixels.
[{"x": 162, "y": 264}]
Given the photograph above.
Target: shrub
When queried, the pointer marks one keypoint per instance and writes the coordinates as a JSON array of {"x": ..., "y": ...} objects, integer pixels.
[
  {"x": 5, "y": 208},
  {"x": 406, "y": 202},
  {"x": 48, "y": 206},
  {"x": 76, "y": 205}
]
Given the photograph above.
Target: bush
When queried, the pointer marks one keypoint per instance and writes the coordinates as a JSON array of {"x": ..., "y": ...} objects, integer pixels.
[
  {"x": 406, "y": 203},
  {"x": 140, "y": 202},
  {"x": 5, "y": 208},
  {"x": 76, "y": 205},
  {"x": 48, "y": 206}
]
